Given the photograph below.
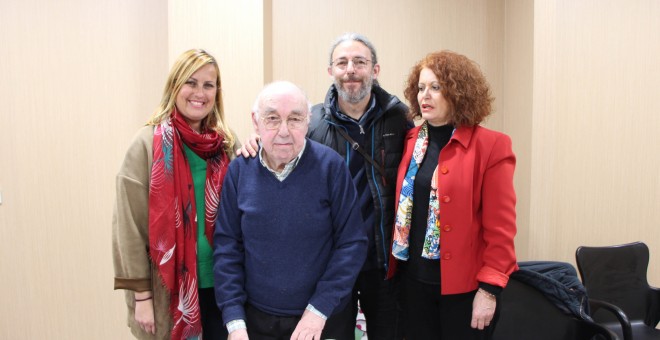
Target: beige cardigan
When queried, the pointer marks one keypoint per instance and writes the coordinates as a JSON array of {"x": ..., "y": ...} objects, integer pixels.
[{"x": 130, "y": 235}]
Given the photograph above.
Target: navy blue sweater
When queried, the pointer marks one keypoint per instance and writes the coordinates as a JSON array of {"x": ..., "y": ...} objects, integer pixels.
[{"x": 283, "y": 245}]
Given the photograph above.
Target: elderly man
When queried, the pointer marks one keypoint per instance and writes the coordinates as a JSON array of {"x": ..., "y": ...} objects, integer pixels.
[
  {"x": 366, "y": 125},
  {"x": 289, "y": 239}
]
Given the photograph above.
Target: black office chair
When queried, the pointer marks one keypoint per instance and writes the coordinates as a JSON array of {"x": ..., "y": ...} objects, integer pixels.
[
  {"x": 526, "y": 314},
  {"x": 619, "y": 294}
]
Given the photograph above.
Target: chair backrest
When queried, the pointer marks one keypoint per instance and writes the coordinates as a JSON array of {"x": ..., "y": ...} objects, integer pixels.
[
  {"x": 527, "y": 314},
  {"x": 616, "y": 274}
]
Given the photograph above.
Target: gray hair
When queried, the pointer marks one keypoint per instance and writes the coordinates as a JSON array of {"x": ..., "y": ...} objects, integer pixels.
[
  {"x": 351, "y": 36},
  {"x": 276, "y": 84}
]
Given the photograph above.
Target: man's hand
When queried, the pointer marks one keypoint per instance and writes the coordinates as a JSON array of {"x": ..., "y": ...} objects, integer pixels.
[
  {"x": 239, "y": 334},
  {"x": 250, "y": 147},
  {"x": 309, "y": 327}
]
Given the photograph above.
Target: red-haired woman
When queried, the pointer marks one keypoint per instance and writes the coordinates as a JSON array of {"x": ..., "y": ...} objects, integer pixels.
[{"x": 455, "y": 211}]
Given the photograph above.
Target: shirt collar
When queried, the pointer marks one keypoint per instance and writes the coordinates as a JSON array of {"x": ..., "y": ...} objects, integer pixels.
[{"x": 288, "y": 167}]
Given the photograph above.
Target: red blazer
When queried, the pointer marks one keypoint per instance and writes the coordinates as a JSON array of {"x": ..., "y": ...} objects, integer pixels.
[{"x": 477, "y": 208}]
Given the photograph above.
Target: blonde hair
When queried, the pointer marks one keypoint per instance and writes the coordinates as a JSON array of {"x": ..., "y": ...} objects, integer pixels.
[{"x": 184, "y": 67}]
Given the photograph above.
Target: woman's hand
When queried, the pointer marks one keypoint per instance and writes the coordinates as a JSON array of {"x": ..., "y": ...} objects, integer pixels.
[
  {"x": 250, "y": 147},
  {"x": 144, "y": 311},
  {"x": 483, "y": 309}
]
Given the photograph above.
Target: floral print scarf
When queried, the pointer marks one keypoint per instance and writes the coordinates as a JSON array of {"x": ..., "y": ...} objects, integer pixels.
[{"x": 401, "y": 239}]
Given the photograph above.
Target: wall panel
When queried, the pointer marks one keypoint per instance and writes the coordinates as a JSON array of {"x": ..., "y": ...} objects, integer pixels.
[
  {"x": 403, "y": 33},
  {"x": 595, "y": 168},
  {"x": 233, "y": 32},
  {"x": 515, "y": 105},
  {"x": 80, "y": 78}
]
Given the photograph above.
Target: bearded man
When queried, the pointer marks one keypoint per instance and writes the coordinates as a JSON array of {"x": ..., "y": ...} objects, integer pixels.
[{"x": 366, "y": 126}]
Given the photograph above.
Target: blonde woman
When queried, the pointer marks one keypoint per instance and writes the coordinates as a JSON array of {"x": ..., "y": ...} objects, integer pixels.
[{"x": 168, "y": 191}]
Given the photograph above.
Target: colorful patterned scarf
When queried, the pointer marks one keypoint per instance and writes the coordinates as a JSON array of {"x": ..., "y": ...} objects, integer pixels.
[
  {"x": 173, "y": 218},
  {"x": 403, "y": 219}
]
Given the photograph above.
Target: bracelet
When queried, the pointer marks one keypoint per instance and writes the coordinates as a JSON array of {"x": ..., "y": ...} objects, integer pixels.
[
  {"x": 145, "y": 299},
  {"x": 489, "y": 295}
]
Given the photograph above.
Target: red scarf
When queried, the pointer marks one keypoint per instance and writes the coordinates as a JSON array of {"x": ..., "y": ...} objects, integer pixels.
[{"x": 173, "y": 218}]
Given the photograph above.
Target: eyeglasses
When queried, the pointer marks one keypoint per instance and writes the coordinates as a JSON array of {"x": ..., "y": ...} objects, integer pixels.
[
  {"x": 273, "y": 122},
  {"x": 359, "y": 63}
]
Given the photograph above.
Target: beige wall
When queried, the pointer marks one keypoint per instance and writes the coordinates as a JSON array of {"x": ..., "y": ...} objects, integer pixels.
[
  {"x": 79, "y": 77},
  {"x": 595, "y": 166},
  {"x": 471, "y": 27},
  {"x": 232, "y": 31},
  {"x": 575, "y": 83},
  {"x": 517, "y": 101}
]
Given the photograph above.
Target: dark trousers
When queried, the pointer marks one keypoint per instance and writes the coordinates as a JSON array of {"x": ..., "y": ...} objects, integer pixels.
[
  {"x": 429, "y": 315},
  {"x": 212, "y": 326},
  {"x": 380, "y": 304},
  {"x": 265, "y": 326}
]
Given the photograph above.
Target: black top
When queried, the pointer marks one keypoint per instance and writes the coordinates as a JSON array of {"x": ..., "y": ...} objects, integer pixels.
[{"x": 418, "y": 267}]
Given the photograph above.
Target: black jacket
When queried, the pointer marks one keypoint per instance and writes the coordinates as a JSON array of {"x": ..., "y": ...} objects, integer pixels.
[
  {"x": 559, "y": 282},
  {"x": 384, "y": 143}
]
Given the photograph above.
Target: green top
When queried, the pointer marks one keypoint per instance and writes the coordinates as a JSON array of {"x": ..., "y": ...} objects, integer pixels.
[{"x": 204, "y": 250}]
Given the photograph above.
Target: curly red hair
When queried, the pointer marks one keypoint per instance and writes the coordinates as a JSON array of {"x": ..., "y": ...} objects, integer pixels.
[{"x": 462, "y": 84}]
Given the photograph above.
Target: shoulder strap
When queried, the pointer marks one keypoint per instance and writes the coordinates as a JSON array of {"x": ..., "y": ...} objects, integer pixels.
[{"x": 359, "y": 149}]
